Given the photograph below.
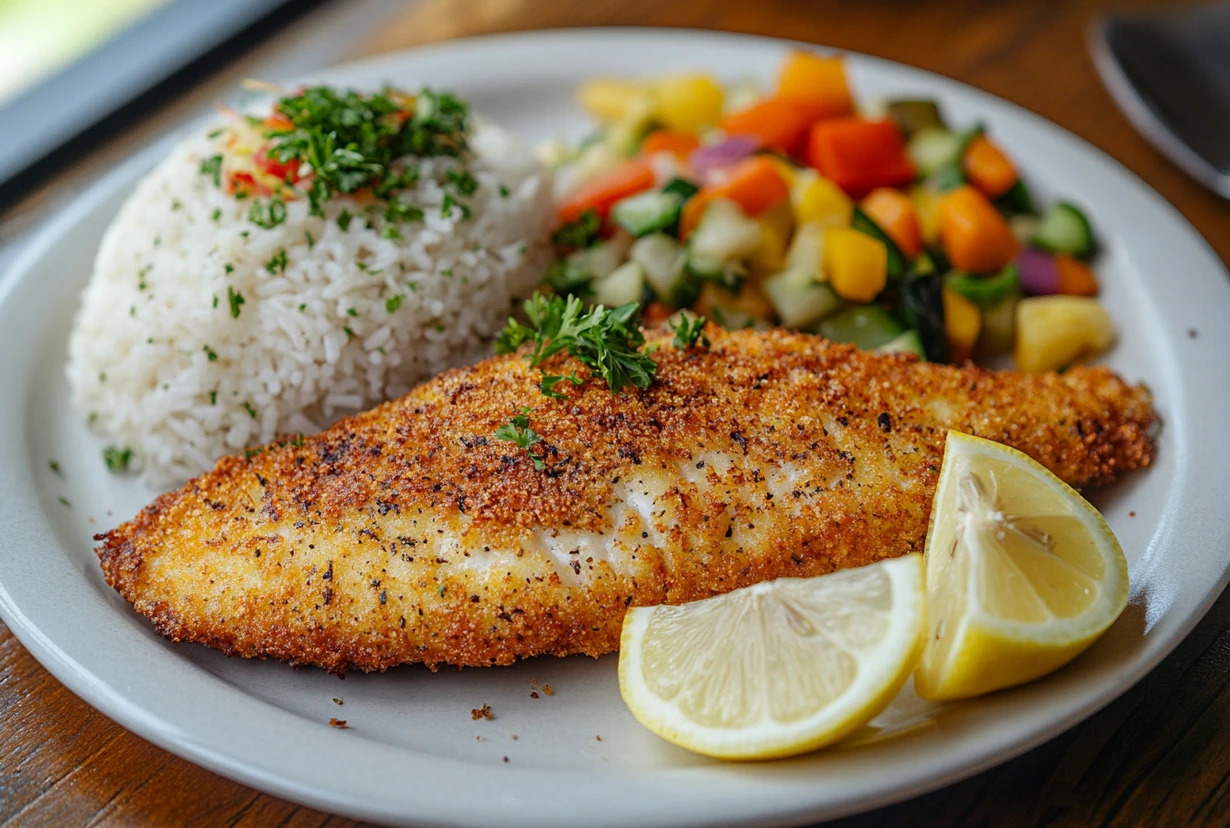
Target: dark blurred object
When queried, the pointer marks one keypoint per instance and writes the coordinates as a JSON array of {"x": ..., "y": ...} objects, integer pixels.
[
  {"x": 176, "y": 46},
  {"x": 1170, "y": 73}
]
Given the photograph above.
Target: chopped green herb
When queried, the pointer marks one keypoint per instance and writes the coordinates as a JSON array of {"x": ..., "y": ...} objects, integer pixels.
[
  {"x": 447, "y": 273},
  {"x": 268, "y": 214},
  {"x": 390, "y": 231},
  {"x": 212, "y": 167},
  {"x": 503, "y": 191},
  {"x": 175, "y": 204},
  {"x": 55, "y": 467},
  {"x": 440, "y": 328},
  {"x": 414, "y": 286},
  {"x": 518, "y": 432},
  {"x": 446, "y": 206},
  {"x": 235, "y": 298},
  {"x": 393, "y": 303},
  {"x": 397, "y": 210},
  {"x": 215, "y": 300},
  {"x": 462, "y": 181},
  {"x": 578, "y": 234},
  {"x": 213, "y": 397},
  {"x": 605, "y": 340},
  {"x": 229, "y": 268},
  {"x": 302, "y": 307},
  {"x": 549, "y": 381},
  {"x": 117, "y": 459},
  {"x": 210, "y": 354},
  {"x": 278, "y": 263},
  {"x": 689, "y": 332},
  {"x": 440, "y": 591},
  {"x": 310, "y": 240},
  {"x": 247, "y": 406},
  {"x": 214, "y": 133},
  {"x": 216, "y": 214},
  {"x": 343, "y": 219},
  {"x": 248, "y": 454},
  {"x": 64, "y": 500},
  {"x": 349, "y": 333},
  {"x": 351, "y": 312},
  {"x": 132, "y": 310}
]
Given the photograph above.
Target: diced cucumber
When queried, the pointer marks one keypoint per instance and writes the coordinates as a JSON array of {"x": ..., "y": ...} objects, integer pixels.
[
  {"x": 922, "y": 305},
  {"x": 867, "y": 326},
  {"x": 947, "y": 177},
  {"x": 626, "y": 284},
  {"x": 807, "y": 249},
  {"x": 906, "y": 342},
  {"x": 601, "y": 259},
  {"x": 727, "y": 275},
  {"x": 798, "y": 299},
  {"x": 933, "y": 147},
  {"x": 681, "y": 187},
  {"x": 724, "y": 234},
  {"x": 946, "y": 171},
  {"x": 648, "y": 212},
  {"x": 1017, "y": 201},
  {"x": 998, "y": 327},
  {"x": 913, "y": 116},
  {"x": 626, "y": 134},
  {"x": 863, "y": 223},
  {"x": 984, "y": 291},
  {"x": 1065, "y": 229},
  {"x": 661, "y": 258}
]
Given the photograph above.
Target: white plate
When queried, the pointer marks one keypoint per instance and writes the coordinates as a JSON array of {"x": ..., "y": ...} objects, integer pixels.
[{"x": 411, "y": 753}]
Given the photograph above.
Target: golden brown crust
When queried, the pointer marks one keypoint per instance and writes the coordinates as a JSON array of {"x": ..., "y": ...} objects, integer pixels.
[{"x": 409, "y": 533}]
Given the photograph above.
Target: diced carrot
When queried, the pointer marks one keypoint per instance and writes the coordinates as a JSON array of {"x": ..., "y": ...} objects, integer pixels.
[
  {"x": 600, "y": 194},
  {"x": 895, "y": 213},
  {"x": 678, "y": 144},
  {"x": 288, "y": 172},
  {"x": 245, "y": 183},
  {"x": 859, "y": 154},
  {"x": 987, "y": 168},
  {"x": 821, "y": 80},
  {"x": 755, "y": 184},
  {"x": 778, "y": 123},
  {"x": 975, "y": 236},
  {"x": 278, "y": 122},
  {"x": 1075, "y": 277}
]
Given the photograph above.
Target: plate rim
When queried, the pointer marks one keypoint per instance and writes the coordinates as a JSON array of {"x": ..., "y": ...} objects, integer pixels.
[{"x": 89, "y": 686}]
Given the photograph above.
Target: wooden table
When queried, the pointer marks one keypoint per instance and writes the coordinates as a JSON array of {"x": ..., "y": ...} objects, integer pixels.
[{"x": 1160, "y": 755}]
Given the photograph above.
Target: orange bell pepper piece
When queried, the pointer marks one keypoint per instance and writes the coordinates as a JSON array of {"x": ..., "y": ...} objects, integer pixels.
[
  {"x": 1075, "y": 277},
  {"x": 601, "y": 193},
  {"x": 987, "y": 168},
  {"x": 975, "y": 236},
  {"x": 778, "y": 123},
  {"x": 678, "y": 144},
  {"x": 895, "y": 213},
  {"x": 860, "y": 155},
  {"x": 817, "y": 79},
  {"x": 754, "y": 184}
]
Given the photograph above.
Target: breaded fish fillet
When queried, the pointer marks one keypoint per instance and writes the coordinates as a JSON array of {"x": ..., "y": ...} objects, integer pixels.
[{"x": 411, "y": 534}]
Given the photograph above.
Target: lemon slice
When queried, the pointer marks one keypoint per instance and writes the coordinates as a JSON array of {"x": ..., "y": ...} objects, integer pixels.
[
  {"x": 1022, "y": 573},
  {"x": 777, "y": 668}
]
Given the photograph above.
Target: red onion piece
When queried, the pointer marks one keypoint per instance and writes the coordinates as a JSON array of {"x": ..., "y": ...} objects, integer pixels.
[
  {"x": 704, "y": 160},
  {"x": 1039, "y": 273}
]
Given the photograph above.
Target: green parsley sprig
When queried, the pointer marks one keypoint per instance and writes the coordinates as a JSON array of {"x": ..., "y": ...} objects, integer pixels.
[
  {"x": 689, "y": 332},
  {"x": 607, "y": 341},
  {"x": 518, "y": 431}
]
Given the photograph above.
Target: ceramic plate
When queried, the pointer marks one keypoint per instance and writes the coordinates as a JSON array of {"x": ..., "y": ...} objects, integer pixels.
[{"x": 412, "y": 752}]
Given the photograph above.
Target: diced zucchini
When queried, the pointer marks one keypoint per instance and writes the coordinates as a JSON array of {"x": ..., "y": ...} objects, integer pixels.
[
  {"x": 601, "y": 259},
  {"x": 913, "y": 116},
  {"x": 922, "y": 305},
  {"x": 984, "y": 291},
  {"x": 1065, "y": 229},
  {"x": 625, "y": 136},
  {"x": 863, "y": 223},
  {"x": 867, "y": 326},
  {"x": 647, "y": 212},
  {"x": 798, "y": 299},
  {"x": 933, "y": 147},
  {"x": 998, "y": 327},
  {"x": 806, "y": 251},
  {"x": 907, "y": 342},
  {"x": 626, "y": 284},
  {"x": 661, "y": 257},
  {"x": 681, "y": 187},
  {"x": 1017, "y": 201},
  {"x": 946, "y": 171},
  {"x": 724, "y": 234}
]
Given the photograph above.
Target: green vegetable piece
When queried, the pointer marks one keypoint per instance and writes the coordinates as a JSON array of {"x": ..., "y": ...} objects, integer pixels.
[
  {"x": 578, "y": 234},
  {"x": 921, "y": 298},
  {"x": 117, "y": 459},
  {"x": 913, "y": 116},
  {"x": 689, "y": 332},
  {"x": 519, "y": 432},
  {"x": 1065, "y": 229},
  {"x": 1017, "y": 201},
  {"x": 681, "y": 187},
  {"x": 863, "y": 223},
  {"x": 647, "y": 213},
  {"x": 866, "y": 326},
  {"x": 984, "y": 291}
]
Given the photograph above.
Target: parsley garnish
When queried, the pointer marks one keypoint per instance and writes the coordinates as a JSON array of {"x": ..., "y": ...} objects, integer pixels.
[
  {"x": 216, "y": 214},
  {"x": 210, "y": 354},
  {"x": 343, "y": 219},
  {"x": 212, "y": 166},
  {"x": 55, "y": 467},
  {"x": 549, "y": 381},
  {"x": 278, "y": 263},
  {"x": 503, "y": 191},
  {"x": 689, "y": 331},
  {"x": 117, "y": 459},
  {"x": 247, "y": 406},
  {"x": 578, "y": 234},
  {"x": 268, "y": 214},
  {"x": 236, "y": 299},
  {"x": 310, "y": 240},
  {"x": 518, "y": 431},
  {"x": 349, "y": 333},
  {"x": 568, "y": 277},
  {"x": 393, "y": 303},
  {"x": 605, "y": 340},
  {"x": 215, "y": 301},
  {"x": 213, "y": 397}
]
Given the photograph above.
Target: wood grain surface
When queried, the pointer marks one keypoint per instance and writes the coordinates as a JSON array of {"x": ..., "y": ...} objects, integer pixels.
[{"x": 1160, "y": 755}]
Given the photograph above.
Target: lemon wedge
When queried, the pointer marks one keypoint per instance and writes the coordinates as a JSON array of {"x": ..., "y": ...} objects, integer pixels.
[
  {"x": 777, "y": 668},
  {"x": 1022, "y": 573}
]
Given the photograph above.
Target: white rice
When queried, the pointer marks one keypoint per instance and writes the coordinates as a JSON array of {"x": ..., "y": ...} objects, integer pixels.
[{"x": 312, "y": 343}]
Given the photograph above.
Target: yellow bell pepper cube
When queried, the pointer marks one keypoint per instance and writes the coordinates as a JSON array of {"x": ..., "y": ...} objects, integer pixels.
[
  {"x": 817, "y": 199},
  {"x": 856, "y": 264},
  {"x": 928, "y": 203},
  {"x": 607, "y": 99},
  {"x": 962, "y": 324},
  {"x": 776, "y": 225},
  {"x": 689, "y": 103}
]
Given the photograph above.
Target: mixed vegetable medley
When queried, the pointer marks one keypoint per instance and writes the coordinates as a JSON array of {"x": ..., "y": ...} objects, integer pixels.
[{"x": 894, "y": 231}]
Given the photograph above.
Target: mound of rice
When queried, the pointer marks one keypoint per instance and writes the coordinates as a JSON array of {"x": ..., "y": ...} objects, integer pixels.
[{"x": 164, "y": 359}]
